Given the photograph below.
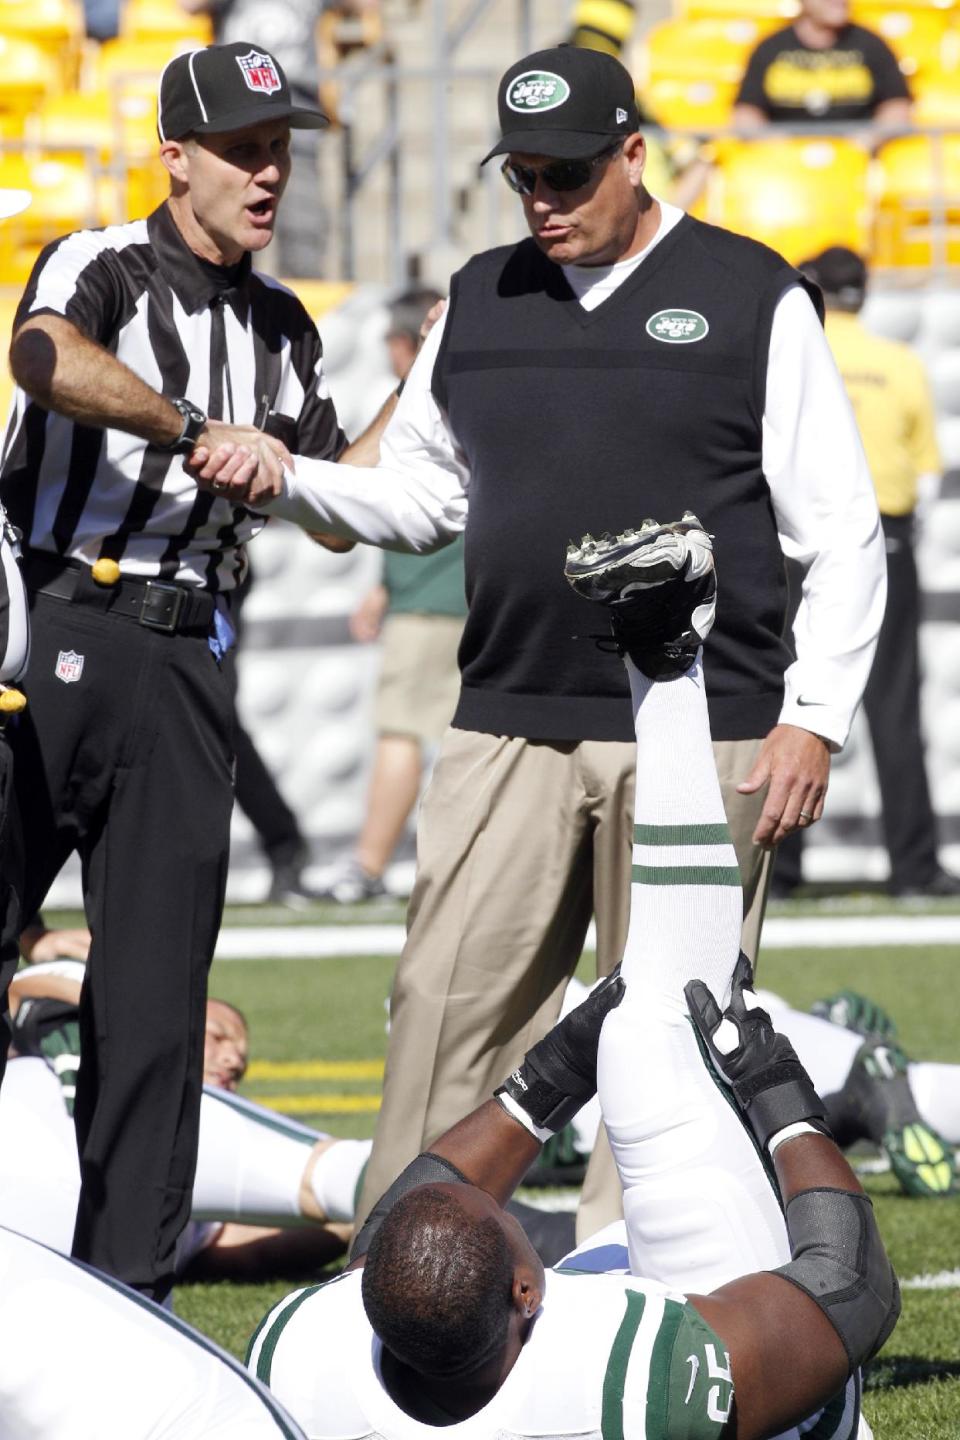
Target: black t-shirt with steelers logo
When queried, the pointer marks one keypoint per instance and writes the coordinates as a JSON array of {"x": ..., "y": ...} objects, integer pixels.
[{"x": 788, "y": 80}]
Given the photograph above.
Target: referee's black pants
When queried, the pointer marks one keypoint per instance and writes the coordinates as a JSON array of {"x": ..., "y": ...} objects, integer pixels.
[
  {"x": 11, "y": 889},
  {"x": 130, "y": 764}
]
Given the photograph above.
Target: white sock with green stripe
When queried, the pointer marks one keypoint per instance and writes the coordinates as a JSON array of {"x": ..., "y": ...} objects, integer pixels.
[
  {"x": 686, "y": 903},
  {"x": 699, "y": 1204}
]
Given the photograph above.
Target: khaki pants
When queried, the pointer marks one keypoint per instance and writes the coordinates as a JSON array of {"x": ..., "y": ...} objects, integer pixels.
[{"x": 519, "y": 844}]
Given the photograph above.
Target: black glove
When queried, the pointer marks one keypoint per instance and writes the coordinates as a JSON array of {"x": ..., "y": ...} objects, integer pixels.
[
  {"x": 559, "y": 1075},
  {"x": 769, "y": 1084}
]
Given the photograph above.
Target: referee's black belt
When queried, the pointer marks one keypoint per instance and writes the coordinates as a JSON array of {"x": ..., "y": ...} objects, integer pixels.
[{"x": 157, "y": 604}]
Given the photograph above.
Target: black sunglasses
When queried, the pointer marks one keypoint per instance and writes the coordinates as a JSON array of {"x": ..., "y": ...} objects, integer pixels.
[{"x": 558, "y": 175}]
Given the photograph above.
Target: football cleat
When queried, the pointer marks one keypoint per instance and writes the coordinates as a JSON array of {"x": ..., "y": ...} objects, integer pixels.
[
  {"x": 923, "y": 1162},
  {"x": 877, "y": 1102},
  {"x": 659, "y": 586},
  {"x": 855, "y": 1012}
]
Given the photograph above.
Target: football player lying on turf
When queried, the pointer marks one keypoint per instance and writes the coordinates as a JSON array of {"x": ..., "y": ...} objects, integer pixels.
[
  {"x": 260, "y": 1178},
  {"x": 870, "y": 1089},
  {"x": 88, "y": 1359},
  {"x": 448, "y": 1318}
]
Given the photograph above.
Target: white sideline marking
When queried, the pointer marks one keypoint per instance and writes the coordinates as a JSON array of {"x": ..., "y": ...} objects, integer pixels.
[
  {"x": 853, "y": 931},
  {"x": 943, "y": 1280},
  {"x": 316, "y": 942},
  {"x": 308, "y": 942}
]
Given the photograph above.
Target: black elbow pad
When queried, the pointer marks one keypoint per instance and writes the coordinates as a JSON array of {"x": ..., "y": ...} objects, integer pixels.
[
  {"x": 839, "y": 1261},
  {"x": 424, "y": 1169}
]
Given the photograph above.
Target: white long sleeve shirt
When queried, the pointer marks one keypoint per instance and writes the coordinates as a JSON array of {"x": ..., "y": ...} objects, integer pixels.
[{"x": 823, "y": 499}]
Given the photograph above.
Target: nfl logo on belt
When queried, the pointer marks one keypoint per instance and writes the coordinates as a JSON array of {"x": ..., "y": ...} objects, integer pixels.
[
  {"x": 69, "y": 666},
  {"x": 259, "y": 72}
]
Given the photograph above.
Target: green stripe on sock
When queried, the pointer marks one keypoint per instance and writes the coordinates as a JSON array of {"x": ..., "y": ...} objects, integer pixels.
[
  {"x": 681, "y": 835},
  {"x": 686, "y": 875},
  {"x": 615, "y": 1379}
]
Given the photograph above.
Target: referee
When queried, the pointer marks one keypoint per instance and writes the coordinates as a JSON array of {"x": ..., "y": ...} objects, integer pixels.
[
  {"x": 14, "y": 653},
  {"x": 131, "y": 344}
]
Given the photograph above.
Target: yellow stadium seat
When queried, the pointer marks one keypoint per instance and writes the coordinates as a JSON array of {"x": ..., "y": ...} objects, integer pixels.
[
  {"x": 134, "y": 67},
  {"x": 120, "y": 130},
  {"x": 29, "y": 76},
  {"x": 797, "y": 195},
  {"x": 57, "y": 26},
  {"x": 920, "y": 39},
  {"x": 689, "y": 71},
  {"x": 917, "y": 222},
  {"x": 686, "y": 104},
  {"x": 938, "y": 98},
  {"x": 711, "y": 48},
  {"x": 67, "y": 194},
  {"x": 780, "y": 11},
  {"x": 163, "y": 20}
]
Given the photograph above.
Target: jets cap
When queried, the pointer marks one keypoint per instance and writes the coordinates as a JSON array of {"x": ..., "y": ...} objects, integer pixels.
[
  {"x": 227, "y": 87},
  {"x": 566, "y": 102}
]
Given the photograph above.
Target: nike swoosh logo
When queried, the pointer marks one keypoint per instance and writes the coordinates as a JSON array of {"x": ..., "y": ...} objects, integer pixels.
[
  {"x": 694, "y": 1362},
  {"x": 802, "y": 701}
]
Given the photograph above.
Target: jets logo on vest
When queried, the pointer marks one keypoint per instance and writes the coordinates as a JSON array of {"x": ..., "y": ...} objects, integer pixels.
[{"x": 678, "y": 327}]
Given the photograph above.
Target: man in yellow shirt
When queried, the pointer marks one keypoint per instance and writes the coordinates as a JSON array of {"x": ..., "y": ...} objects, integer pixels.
[{"x": 888, "y": 389}]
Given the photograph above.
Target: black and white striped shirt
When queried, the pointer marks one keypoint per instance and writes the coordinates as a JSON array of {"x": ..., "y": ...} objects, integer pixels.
[
  {"x": 14, "y": 619},
  {"x": 82, "y": 493}
]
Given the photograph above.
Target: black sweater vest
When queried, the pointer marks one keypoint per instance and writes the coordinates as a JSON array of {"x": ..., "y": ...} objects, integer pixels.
[{"x": 573, "y": 421}]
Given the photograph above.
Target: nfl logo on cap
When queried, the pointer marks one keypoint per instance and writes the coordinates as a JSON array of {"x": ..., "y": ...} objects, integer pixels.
[{"x": 259, "y": 72}]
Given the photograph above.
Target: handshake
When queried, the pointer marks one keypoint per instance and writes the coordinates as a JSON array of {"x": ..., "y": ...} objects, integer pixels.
[
  {"x": 239, "y": 463},
  {"x": 244, "y": 466}
]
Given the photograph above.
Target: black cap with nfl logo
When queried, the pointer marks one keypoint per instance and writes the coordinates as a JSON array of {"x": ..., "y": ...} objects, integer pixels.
[
  {"x": 566, "y": 102},
  {"x": 227, "y": 87}
]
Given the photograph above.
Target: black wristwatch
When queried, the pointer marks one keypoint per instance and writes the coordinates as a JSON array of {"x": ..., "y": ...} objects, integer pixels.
[{"x": 194, "y": 422}]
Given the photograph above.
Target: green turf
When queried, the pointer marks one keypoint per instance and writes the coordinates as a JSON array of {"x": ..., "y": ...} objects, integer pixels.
[{"x": 333, "y": 1010}]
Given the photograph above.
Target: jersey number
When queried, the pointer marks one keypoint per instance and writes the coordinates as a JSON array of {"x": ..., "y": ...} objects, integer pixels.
[{"x": 722, "y": 1373}]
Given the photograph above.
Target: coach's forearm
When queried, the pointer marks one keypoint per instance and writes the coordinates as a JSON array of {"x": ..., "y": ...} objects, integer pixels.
[
  {"x": 64, "y": 371},
  {"x": 390, "y": 509}
]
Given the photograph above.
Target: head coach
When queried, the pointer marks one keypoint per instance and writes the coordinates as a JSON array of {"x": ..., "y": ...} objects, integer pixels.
[
  {"x": 130, "y": 345},
  {"x": 623, "y": 360}
]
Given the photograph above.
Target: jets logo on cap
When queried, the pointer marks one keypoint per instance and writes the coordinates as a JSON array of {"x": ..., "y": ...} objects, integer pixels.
[
  {"x": 677, "y": 327},
  {"x": 537, "y": 90},
  {"x": 259, "y": 72}
]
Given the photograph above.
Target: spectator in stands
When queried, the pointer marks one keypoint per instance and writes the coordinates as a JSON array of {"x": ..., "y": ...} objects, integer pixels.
[
  {"x": 418, "y": 610},
  {"x": 606, "y": 25},
  {"x": 822, "y": 68},
  {"x": 888, "y": 387}
]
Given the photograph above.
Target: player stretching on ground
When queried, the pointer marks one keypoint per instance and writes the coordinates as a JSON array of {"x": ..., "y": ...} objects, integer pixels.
[{"x": 452, "y": 1320}]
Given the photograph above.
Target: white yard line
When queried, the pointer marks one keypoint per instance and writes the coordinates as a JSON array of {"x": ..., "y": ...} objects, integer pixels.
[
  {"x": 943, "y": 1280},
  {"x": 317, "y": 942},
  {"x": 307, "y": 942}
]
